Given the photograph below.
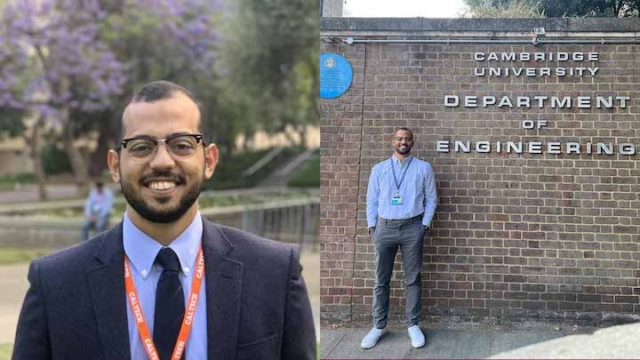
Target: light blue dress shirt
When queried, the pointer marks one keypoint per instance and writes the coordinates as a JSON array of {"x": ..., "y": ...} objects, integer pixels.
[
  {"x": 99, "y": 204},
  {"x": 418, "y": 191},
  {"x": 142, "y": 251}
]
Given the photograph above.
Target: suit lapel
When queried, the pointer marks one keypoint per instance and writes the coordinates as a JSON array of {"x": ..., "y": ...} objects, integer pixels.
[
  {"x": 108, "y": 295},
  {"x": 224, "y": 285}
]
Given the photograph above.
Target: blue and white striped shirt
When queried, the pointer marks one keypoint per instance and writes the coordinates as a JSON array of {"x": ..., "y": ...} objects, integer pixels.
[{"x": 418, "y": 191}]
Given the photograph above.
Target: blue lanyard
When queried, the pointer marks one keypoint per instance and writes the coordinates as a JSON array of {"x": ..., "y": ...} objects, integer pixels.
[{"x": 404, "y": 172}]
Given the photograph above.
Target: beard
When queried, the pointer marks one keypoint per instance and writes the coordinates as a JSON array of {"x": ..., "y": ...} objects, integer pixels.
[
  {"x": 403, "y": 152},
  {"x": 152, "y": 212}
]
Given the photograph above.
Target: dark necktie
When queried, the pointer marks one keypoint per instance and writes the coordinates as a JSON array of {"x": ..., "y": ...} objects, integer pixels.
[{"x": 169, "y": 304}]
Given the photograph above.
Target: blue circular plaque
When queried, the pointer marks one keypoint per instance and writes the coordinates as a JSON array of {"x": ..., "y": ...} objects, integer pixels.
[{"x": 335, "y": 75}]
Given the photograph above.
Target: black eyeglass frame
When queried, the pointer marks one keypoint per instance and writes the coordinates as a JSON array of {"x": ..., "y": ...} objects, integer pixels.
[
  {"x": 400, "y": 138},
  {"x": 199, "y": 138}
]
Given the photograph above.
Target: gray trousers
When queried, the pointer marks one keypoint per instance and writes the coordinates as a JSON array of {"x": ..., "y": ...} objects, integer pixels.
[{"x": 387, "y": 238}]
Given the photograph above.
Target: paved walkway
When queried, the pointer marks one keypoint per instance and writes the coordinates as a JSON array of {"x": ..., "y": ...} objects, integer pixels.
[
  {"x": 442, "y": 343},
  {"x": 13, "y": 287},
  {"x": 616, "y": 342}
]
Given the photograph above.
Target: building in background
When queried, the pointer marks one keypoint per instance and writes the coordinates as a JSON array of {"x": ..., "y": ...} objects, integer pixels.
[
  {"x": 532, "y": 130},
  {"x": 14, "y": 157}
]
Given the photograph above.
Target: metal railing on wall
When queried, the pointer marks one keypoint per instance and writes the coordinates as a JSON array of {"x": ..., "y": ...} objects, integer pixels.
[
  {"x": 293, "y": 221},
  {"x": 526, "y": 40}
]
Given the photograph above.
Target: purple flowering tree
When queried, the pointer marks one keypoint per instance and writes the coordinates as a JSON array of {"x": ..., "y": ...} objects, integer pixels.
[
  {"x": 69, "y": 65},
  {"x": 55, "y": 64},
  {"x": 162, "y": 39}
]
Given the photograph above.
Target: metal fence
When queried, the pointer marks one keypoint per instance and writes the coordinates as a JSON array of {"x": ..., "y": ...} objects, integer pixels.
[{"x": 292, "y": 221}]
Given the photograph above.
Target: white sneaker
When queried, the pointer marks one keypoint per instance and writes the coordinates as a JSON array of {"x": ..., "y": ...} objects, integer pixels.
[
  {"x": 372, "y": 338},
  {"x": 417, "y": 337}
]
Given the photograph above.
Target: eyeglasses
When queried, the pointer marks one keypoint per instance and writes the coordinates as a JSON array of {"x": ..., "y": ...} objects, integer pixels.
[
  {"x": 400, "y": 138},
  {"x": 180, "y": 146}
]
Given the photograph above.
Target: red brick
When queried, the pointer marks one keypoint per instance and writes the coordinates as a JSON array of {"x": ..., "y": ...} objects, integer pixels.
[{"x": 562, "y": 230}]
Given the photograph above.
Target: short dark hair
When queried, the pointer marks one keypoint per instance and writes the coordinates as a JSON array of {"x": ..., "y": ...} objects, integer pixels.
[
  {"x": 99, "y": 184},
  {"x": 162, "y": 90},
  {"x": 403, "y": 129}
]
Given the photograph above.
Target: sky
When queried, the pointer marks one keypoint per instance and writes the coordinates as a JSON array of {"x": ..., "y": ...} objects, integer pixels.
[{"x": 403, "y": 8}]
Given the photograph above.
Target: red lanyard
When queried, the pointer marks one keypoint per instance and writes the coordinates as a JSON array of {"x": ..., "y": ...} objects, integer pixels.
[{"x": 189, "y": 314}]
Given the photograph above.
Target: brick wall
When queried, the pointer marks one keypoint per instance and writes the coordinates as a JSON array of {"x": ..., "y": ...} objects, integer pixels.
[{"x": 516, "y": 236}]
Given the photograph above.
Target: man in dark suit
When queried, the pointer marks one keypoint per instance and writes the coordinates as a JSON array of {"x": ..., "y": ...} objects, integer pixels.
[{"x": 166, "y": 283}]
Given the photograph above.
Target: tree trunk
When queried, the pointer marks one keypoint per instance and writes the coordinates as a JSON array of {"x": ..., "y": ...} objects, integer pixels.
[
  {"x": 249, "y": 143},
  {"x": 303, "y": 136},
  {"x": 224, "y": 148},
  {"x": 288, "y": 136},
  {"x": 108, "y": 133},
  {"x": 78, "y": 163},
  {"x": 35, "y": 152},
  {"x": 98, "y": 162}
]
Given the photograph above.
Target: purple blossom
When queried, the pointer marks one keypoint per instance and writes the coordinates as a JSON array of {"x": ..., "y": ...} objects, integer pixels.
[
  {"x": 189, "y": 23},
  {"x": 53, "y": 54},
  {"x": 64, "y": 36}
]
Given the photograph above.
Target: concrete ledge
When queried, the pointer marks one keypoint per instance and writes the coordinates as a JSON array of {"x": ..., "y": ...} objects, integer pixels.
[
  {"x": 340, "y": 315},
  {"x": 423, "y": 24}
]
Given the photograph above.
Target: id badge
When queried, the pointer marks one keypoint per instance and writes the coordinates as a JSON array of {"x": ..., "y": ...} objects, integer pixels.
[{"x": 396, "y": 200}]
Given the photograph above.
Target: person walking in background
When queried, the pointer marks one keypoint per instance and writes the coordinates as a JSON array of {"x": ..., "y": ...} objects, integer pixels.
[
  {"x": 97, "y": 210},
  {"x": 401, "y": 202}
]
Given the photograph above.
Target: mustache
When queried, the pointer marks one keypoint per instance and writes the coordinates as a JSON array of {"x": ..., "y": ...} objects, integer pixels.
[{"x": 162, "y": 176}]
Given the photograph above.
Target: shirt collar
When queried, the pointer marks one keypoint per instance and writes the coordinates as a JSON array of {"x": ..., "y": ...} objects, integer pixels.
[
  {"x": 142, "y": 250},
  {"x": 397, "y": 161}
]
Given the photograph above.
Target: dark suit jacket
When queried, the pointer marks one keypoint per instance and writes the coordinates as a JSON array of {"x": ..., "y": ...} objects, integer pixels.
[{"x": 257, "y": 303}]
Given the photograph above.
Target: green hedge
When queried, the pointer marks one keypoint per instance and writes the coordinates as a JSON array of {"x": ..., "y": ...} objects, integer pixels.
[
  {"x": 55, "y": 161},
  {"x": 228, "y": 173},
  {"x": 308, "y": 175},
  {"x": 17, "y": 178}
]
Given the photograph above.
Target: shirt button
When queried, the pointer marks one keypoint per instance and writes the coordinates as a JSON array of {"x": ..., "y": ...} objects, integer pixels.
[
  {"x": 144, "y": 273},
  {"x": 185, "y": 269}
]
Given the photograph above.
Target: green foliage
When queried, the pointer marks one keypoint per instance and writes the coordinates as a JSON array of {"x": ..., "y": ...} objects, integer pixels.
[
  {"x": 503, "y": 9},
  {"x": 11, "y": 180},
  {"x": 133, "y": 34},
  {"x": 15, "y": 256},
  {"x": 6, "y": 349},
  {"x": 269, "y": 62},
  {"x": 552, "y": 8},
  {"x": 12, "y": 118},
  {"x": 260, "y": 73},
  {"x": 592, "y": 8},
  {"x": 308, "y": 175},
  {"x": 11, "y": 124},
  {"x": 228, "y": 174},
  {"x": 55, "y": 160}
]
